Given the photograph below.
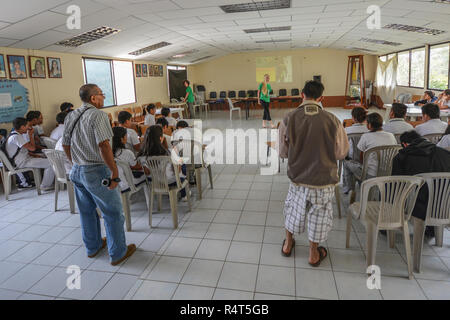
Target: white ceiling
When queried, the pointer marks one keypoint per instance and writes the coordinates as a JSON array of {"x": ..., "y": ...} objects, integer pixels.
[{"x": 202, "y": 25}]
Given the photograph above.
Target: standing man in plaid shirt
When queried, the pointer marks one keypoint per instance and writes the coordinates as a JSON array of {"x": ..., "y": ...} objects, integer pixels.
[{"x": 312, "y": 140}]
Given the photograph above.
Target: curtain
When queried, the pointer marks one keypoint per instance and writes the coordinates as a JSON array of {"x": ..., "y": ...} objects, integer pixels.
[
  {"x": 386, "y": 79},
  {"x": 176, "y": 86}
]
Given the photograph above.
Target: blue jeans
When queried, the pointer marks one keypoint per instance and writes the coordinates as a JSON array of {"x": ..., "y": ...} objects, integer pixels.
[{"x": 91, "y": 194}]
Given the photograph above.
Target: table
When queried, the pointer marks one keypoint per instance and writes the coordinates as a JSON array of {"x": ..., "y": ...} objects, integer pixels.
[
  {"x": 249, "y": 101},
  {"x": 415, "y": 111},
  {"x": 178, "y": 111}
]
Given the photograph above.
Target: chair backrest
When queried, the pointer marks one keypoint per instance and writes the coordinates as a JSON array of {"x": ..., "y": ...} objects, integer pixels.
[
  {"x": 158, "y": 167},
  {"x": 231, "y": 94},
  {"x": 295, "y": 92},
  {"x": 222, "y": 95},
  {"x": 5, "y": 161},
  {"x": 49, "y": 142},
  {"x": 394, "y": 194},
  {"x": 57, "y": 160},
  {"x": 384, "y": 156},
  {"x": 230, "y": 103},
  {"x": 397, "y": 137},
  {"x": 242, "y": 94},
  {"x": 354, "y": 138},
  {"x": 438, "y": 210},
  {"x": 213, "y": 95},
  {"x": 405, "y": 98},
  {"x": 173, "y": 100},
  {"x": 127, "y": 174},
  {"x": 251, "y": 93},
  {"x": 434, "y": 137},
  {"x": 283, "y": 92},
  {"x": 191, "y": 151}
]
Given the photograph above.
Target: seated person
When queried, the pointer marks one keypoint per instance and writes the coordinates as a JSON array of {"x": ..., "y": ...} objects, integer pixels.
[
  {"x": 149, "y": 113},
  {"x": 20, "y": 151},
  {"x": 428, "y": 97},
  {"x": 33, "y": 120},
  {"x": 180, "y": 126},
  {"x": 127, "y": 156},
  {"x": 397, "y": 123},
  {"x": 433, "y": 123},
  {"x": 133, "y": 142},
  {"x": 66, "y": 107},
  {"x": 59, "y": 130},
  {"x": 420, "y": 156},
  {"x": 445, "y": 141},
  {"x": 153, "y": 146},
  {"x": 165, "y": 112},
  {"x": 166, "y": 131},
  {"x": 359, "y": 116},
  {"x": 444, "y": 100},
  {"x": 375, "y": 138}
]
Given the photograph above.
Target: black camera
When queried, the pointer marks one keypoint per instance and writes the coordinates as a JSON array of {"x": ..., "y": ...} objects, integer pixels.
[{"x": 107, "y": 182}]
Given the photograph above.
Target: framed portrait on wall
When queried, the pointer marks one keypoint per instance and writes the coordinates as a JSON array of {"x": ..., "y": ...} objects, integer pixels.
[
  {"x": 144, "y": 70},
  {"x": 54, "y": 67},
  {"x": 17, "y": 67},
  {"x": 150, "y": 70},
  {"x": 138, "y": 71},
  {"x": 2, "y": 66},
  {"x": 37, "y": 67},
  {"x": 155, "y": 70}
]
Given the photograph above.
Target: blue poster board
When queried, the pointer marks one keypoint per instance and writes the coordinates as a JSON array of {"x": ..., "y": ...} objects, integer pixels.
[{"x": 13, "y": 100}]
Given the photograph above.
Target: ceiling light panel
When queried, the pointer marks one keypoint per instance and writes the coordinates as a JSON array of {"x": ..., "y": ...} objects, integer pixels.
[
  {"x": 384, "y": 42},
  {"x": 257, "y": 6},
  {"x": 150, "y": 48},
  {"x": 404, "y": 27},
  {"x": 87, "y": 37},
  {"x": 272, "y": 29},
  {"x": 273, "y": 41}
]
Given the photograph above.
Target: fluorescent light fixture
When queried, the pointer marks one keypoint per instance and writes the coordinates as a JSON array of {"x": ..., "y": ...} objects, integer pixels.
[
  {"x": 257, "y": 6},
  {"x": 384, "y": 42},
  {"x": 200, "y": 59},
  {"x": 273, "y": 41},
  {"x": 272, "y": 29},
  {"x": 149, "y": 48},
  {"x": 89, "y": 36},
  {"x": 359, "y": 49},
  {"x": 404, "y": 27},
  {"x": 179, "y": 55}
]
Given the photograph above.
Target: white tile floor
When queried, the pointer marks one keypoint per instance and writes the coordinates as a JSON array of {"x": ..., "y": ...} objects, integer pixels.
[{"x": 228, "y": 247}]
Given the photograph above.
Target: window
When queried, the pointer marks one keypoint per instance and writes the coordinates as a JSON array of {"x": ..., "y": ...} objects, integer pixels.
[
  {"x": 418, "y": 68},
  {"x": 439, "y": 67},
  {"x": 403, "y": 69},
  {"x": 115, "y": 78},
  {"x": 176, "y": 68}
]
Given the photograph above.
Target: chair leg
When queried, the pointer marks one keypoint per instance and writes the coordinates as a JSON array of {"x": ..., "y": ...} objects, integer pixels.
[
  {"x": 159, "y": 202},
  {"x": 150, "y": 217},
  {"x": 210, "y": 177},
  {"x": 439, "y": 235},
  {"x": 174, "y": 207},
  {"x": 147, "y": 201},
  {"x": 126, "y": 210},
  {"x": 231, "y": 115},
  {"x": 352, "y": 197},
  {"x": 37, "y": 180},
  {"x": 372, "y": 234},
  {"x": 391, "y": 238},
  {"x": 349, "y": 229},
  {"x": 56, "y": 194},
  {"x": 7, "y": 184},
  {"x": 419, "y": 232},
  {"x": 337, "y": 192},
  {"x": 198, "y": 177},
  {"x": 71, "y": 192},
  {"x": 188, "y": 194},
  {"x": 408, "y": 249}
]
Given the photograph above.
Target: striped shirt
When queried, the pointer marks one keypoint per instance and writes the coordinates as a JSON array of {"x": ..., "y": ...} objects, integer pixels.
[{"x": 92, "y": 129}]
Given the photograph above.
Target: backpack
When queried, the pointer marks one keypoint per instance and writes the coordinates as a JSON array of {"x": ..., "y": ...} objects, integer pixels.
[{"x": 3, "y": 143}]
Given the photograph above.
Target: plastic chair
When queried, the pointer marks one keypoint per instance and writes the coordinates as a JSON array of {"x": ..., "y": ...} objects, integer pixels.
[
  {"x": 433, "y": 137},
  {"x": 437, "y": 215},
  {"x": 397, "y": 137},
  {"x": 242, "y": 94},
  {"x": 223, "y": 95},
  {"x": 295, "y": 92},
  {"x": 49, "y": 142},
  {"x": 160, "y": 184},
  {"x": 57, "y": 160},
  {"x": 8, "y": 171},
  {"x": 203, "y": 105},
  {"x": 233, "y": 108},
  {"x": 213, "y": 95},
  {"x": 126, "y": 194},
  {"x": 282, "y": 93},
  {"x": 192, "y": 151},
  {"x": 391, "y": 212},
  {"x": 173, "y": 100},
  {"x": 232, "y": 94}
]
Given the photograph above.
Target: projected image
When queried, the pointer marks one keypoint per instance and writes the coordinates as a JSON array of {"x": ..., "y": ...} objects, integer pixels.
[{"x": 279, "y": 68}]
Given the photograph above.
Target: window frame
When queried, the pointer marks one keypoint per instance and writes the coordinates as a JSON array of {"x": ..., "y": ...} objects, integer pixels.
[
  {"x": 114, "y": 88},
  {"x": 428, "y": 66}
]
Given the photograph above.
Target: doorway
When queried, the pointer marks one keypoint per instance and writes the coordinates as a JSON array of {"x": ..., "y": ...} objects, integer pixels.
[{"x": 176, "y": 76}]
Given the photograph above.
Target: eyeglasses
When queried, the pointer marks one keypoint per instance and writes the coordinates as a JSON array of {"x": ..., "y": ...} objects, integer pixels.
[{"x": 100, "y": 94}]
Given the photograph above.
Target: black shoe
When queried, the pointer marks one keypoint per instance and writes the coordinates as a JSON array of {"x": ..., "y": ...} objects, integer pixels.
[
  {"x": 429, "y": 232},
  {"x": 383, "y": 232},
  {"x": 26, "y": 186}
]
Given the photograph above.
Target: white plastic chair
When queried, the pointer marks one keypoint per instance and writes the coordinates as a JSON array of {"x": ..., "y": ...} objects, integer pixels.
[
  {"x": 192, "y": 150},
  {"x": 49, "y": 142},
  {"x": 57, "y": 160},
  {"x": 160, "y": 184},
  {"x": 437, "y": 215},
  {"x": 233, "y": 108},
  {"x": 391, "y": 212},
  {"x": 8, "y": 172},
  {"x": 203, "y": 105},
  {"x": 433, "y": 137},
  {"x": 173, "y": 100},
  {"x": 126, "y": 194}
]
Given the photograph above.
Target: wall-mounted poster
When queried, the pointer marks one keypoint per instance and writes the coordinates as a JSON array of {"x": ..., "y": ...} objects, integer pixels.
[
  {"x": 155, "y": 71},
  {"x": 144, "y": 70},
  {"x": 13, "y": 100},
  {"x": 54, "y": 67},
  {"x": 2, "y": 66},
  {"x": 160, "y": 71},
  {"x": 138, "y": 71},
  {"x": 150, "y": 71},
  {"x": 17, "y": 67},
  {"x": 37, "y": 67}
]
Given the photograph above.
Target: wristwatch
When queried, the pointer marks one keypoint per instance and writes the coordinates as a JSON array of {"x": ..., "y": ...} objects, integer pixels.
[{"x": 116, "y": 180}]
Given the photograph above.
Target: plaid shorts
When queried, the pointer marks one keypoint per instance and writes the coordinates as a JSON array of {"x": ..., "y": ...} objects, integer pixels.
[{"x": 312, "y": 205}]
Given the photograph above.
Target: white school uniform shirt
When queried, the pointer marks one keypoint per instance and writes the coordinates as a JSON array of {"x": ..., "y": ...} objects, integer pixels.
[
  {"x": 39, "y": 130},
  {"x": 57, "y": 133},
  {"x": 445, "y": 142},
  {"x": 172, "y": 121},
  {"x": 132, "y": 140},
  {"x": 397, "y": 126},
  {"x": 15, "y": 142},
  {"x": 355, "y": 128},
  {"x": 375, "y": 139},
  {"x": 149, "y": 120},
  {"x": 431, "y": 126},
  {"x": 128, "y": 157}
]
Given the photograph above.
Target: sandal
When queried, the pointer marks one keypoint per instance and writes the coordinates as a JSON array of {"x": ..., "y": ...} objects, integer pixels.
[
  {"x": 290, "y": 252},
  {"x": 322, "y": 255}
]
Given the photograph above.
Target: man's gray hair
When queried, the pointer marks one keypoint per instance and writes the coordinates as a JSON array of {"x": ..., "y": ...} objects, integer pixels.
[{"x": 87, "y": 91}]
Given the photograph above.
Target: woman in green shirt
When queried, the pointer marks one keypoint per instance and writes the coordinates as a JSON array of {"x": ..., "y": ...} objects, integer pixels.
[
  {"x": 189, "y": 98},
  {"x": 264, "y": 99}
]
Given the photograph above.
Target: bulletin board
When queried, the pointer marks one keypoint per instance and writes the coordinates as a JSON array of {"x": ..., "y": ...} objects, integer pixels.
[{"x": 14, "y": 100}]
